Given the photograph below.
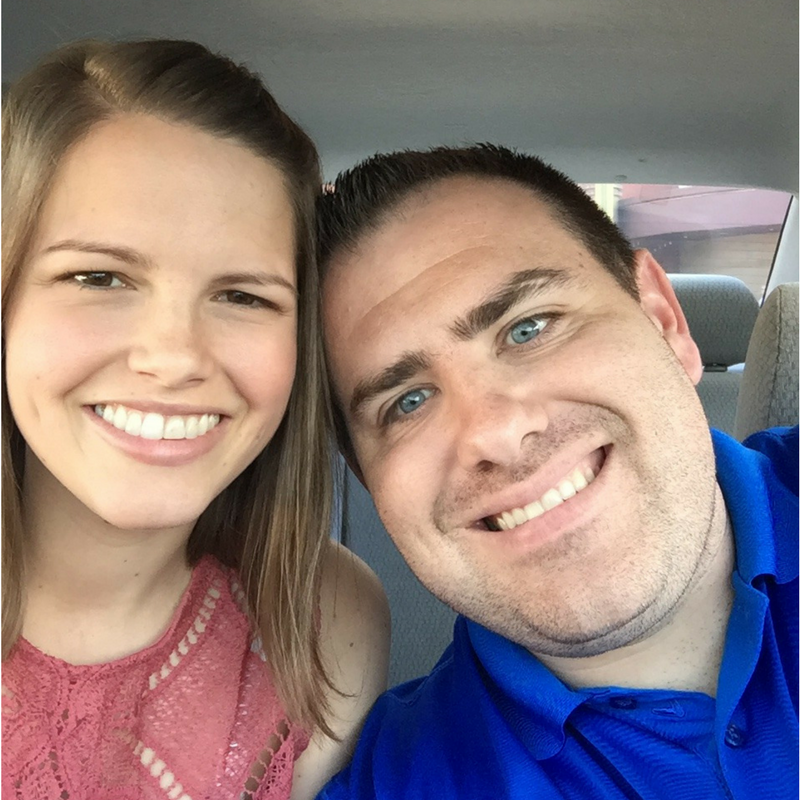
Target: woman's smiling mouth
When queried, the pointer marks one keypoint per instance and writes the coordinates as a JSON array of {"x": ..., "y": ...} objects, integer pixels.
[
  {"x": 149, "y": 425},
  {"x": 164, "y": 440}
]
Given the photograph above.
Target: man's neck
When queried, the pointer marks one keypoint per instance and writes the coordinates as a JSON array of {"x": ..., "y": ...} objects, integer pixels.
[
  {"x": 94, "y": 592},
  {"x": 685, "y": 653}
]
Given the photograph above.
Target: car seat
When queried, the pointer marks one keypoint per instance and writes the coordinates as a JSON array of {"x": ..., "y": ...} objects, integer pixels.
[
  {"x": 721, "y": 312},
  {"x": 768, "y": 394}
]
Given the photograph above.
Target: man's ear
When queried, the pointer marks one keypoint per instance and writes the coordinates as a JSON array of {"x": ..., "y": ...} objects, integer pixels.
[{"x": 657, "y": 299}]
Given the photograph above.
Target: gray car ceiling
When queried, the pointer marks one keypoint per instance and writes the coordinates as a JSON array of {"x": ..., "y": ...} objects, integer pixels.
[{"x": 680, "y": 91}]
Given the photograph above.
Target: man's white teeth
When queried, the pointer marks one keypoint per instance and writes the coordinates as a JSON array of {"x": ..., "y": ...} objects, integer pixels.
[
  {"x": 156, "y": 426},
  {"x": 567, "y": 488},
  {"x": 552, "y": 498}
]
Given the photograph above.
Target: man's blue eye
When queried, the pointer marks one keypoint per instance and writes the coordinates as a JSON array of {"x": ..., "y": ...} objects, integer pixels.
[
  {"x": 525, "y": 330},
  {"x": 412, "y": 400}
]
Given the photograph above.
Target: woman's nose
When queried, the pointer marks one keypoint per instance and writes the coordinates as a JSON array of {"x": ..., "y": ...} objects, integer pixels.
[{"x": 170, "y": 347}]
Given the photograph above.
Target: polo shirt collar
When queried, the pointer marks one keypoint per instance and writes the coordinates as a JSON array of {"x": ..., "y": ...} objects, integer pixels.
[
  {"x": 530, "y": 698},
  {"x": 758, "y": 504}
]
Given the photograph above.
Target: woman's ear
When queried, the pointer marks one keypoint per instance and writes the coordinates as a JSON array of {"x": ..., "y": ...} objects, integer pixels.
[{"x": 657, "y": 299}]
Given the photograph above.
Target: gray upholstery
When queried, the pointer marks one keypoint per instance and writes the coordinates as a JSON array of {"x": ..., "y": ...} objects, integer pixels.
[
  {"x": 721, "y": 312},
  {"x": 768, "y": 395}
]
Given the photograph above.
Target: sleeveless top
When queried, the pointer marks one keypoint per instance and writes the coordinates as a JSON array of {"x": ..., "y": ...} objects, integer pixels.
[{"x": 195, "y": 716}]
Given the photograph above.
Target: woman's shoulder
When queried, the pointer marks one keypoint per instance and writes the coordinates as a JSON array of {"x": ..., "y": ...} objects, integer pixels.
[
  {"x": 355, "y": 624},
  {"x": 354, "y": 642},
  {"x": 350, "y": 592}
]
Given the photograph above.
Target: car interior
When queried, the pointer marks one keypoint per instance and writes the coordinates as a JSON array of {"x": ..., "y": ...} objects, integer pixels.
[{"x": 680, "y": 119}]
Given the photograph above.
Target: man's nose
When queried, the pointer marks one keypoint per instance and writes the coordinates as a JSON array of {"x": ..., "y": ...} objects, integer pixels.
[
  {"x": 169, "y": 345},
  {"x": 493, "y": 426}
]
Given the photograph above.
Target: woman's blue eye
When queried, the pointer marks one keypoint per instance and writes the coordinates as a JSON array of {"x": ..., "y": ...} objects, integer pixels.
[
  {"x": 412, "y": 400},
  {"x": 526, "y": 330}
]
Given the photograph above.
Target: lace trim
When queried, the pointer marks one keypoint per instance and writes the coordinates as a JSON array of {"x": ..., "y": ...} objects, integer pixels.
[
  {"x": 261, "y": 765},
  {"x": 52, "y": 762},
  {"x": 238, "y": 595},
  {"x": 173, "y": 789},
  {"x": 157, "y": 768},
  {"x": 11, "y": 704},
  {"x": 256, "y": 646},
  {"x": 191, "y": 638}
]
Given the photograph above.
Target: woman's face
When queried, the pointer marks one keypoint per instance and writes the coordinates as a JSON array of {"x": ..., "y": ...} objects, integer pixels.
[{"x": 151, "y": 345}]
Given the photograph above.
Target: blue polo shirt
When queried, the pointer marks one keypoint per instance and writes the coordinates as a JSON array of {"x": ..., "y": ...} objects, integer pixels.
[{"x": 492, "y": 722}]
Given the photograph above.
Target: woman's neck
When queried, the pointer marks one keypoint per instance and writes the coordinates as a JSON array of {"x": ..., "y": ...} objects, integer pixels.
[{"x": 93, "y": 592}]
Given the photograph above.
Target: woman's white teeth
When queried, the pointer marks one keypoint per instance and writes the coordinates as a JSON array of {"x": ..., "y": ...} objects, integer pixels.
[
  {"x": 567, "y": 488},
  {"x": 134, "y": 424},
  {"x": 156, "y": 426},
  {"x": 152, "y": 426},
  {"x": 191, "y": 427},
  {"x": 120, "y": 418}
]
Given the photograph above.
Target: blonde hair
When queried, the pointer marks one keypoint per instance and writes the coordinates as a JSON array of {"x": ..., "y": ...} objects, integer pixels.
[{"x": 272, "y": 523}]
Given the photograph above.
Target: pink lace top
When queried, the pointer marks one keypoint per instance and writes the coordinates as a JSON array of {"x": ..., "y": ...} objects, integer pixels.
[{"x": 193, "y": 717}]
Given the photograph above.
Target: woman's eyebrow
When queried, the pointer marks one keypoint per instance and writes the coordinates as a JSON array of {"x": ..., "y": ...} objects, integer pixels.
[
  {"x": 255, "y": 278},
  {"x": 125, "y": 254},
  {"x": 520, "y": 286},
  {"x": 130, "y": 256}
]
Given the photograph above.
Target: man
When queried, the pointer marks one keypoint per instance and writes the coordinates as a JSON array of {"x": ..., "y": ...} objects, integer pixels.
[{"x": 515, "y": 388}]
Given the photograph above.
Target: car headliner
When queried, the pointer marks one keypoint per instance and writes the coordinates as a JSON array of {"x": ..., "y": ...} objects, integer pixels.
[{"x": 608, "y": 90}]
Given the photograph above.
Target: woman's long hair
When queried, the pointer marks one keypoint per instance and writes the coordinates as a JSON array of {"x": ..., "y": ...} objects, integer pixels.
[{"x": 272, "y": 523}]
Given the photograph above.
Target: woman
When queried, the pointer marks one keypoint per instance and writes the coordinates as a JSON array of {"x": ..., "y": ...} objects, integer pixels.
[{"x": 166, "y": 472}]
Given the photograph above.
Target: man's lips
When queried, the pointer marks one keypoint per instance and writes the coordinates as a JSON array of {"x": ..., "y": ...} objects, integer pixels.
[{"x": 538, "y": 496}]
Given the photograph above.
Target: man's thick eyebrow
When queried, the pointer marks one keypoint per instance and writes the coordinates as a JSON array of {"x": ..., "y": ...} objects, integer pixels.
[
  {"x": 125, "y": 254},
  {"x": 520, "y": 286},
  {"x": 405, "y": 368}
]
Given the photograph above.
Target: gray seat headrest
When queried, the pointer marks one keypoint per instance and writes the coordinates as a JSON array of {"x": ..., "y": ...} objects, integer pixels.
[
  {"x": 769, "y": 391},
  {"x": 721, "y": 312}
]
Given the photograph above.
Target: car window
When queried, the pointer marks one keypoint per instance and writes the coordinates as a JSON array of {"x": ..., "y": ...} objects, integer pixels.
[{"x": 700, "y": 229}]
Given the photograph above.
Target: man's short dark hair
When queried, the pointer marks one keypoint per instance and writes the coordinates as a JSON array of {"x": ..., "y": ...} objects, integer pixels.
[{"x": 363, "y": 196}]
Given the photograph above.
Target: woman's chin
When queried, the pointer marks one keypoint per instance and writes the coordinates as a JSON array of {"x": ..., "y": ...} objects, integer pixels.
[{"x": 146, "y": 517}]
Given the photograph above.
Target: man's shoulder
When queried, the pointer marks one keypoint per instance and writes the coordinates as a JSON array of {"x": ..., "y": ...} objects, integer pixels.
[
  {"x": 759, "y": 481},
  {"x": 780, "y": 447},
  {"x": 413, "y": 701},
  {"x": 407, "y": 736}
]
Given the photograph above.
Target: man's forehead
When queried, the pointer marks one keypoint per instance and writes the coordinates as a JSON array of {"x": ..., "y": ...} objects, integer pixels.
[
  {"x": 455, "y": 232},
  {"x": 437, "y": 236}
]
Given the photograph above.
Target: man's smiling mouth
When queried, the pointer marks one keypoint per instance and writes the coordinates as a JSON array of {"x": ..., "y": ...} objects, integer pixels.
[
  {"x": 148, "y": 425},
  {"x": 565, "y": 489}
]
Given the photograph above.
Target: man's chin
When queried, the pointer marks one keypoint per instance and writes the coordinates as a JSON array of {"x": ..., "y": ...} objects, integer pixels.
[{"x": 592, "y": 638}]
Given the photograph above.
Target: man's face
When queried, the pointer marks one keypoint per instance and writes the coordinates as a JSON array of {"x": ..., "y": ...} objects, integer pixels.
[{"x": 529, "y": 432}]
